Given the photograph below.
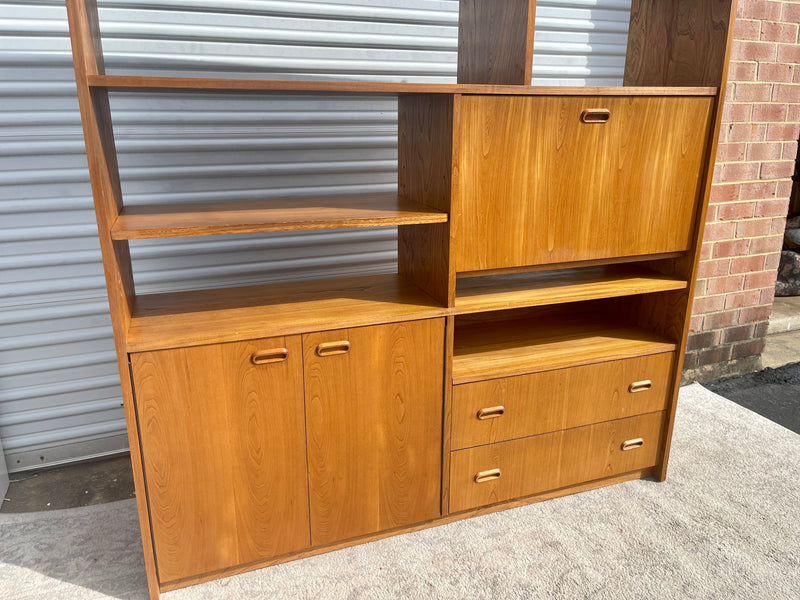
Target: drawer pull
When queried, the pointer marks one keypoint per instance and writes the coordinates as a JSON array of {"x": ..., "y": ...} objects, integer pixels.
[
  {"x": 265, "y": 357},
  {"x": 491, "y": 413},
  {"x": 333, "y": 348},
  {"x": 632, "y": 444},
  {"x": 596, "y": 115},
  {"x": 482, "y": 476},
  {"x": 640, "y": 386}
]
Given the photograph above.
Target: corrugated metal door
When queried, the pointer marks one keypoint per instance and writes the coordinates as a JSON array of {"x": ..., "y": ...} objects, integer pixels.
[{"x": 59, "y": 388}]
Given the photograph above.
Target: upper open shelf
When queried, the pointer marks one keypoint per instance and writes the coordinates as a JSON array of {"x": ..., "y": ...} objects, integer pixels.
[
  {"x": 199, "y": 84},
  {"x": 214, "y": 218}
]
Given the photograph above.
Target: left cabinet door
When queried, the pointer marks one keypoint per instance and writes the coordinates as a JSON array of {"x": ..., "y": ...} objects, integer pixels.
[{"x": 224, "y": 452}]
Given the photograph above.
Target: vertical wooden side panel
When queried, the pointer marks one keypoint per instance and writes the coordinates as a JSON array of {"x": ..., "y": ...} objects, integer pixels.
[
  {"x": 224, "y": 454},
  {"x": 425, "y": 150},
  {"x": 678, "y": 42},
  {"x": 447, "y": 419},
  {"x": 495, "y": 41},
  {"x": 374, "y": 427}
]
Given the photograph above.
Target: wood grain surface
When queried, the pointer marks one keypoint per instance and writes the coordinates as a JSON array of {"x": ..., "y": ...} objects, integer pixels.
[
  {"x": 215, "y": 218},
  {"x": 678, "y": 42},
  {"x": 179, "y": 319},
  {"x": 224, "y": 454},
  {"x": 554, "y": 460},
  {"x": 536, "y": 185},
  {"x": 560, "y": 399},
  {"x": 374, "y": 427}
]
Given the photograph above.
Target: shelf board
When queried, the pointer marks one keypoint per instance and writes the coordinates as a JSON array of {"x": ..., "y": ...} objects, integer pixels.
[
  {"x": 200, "y": 84},
  {"x": 506, "y": 348},
  {"x": 214, "y": 218},
  {"x": 499, "y": 292},
  {"x": 195, "y": 318}
]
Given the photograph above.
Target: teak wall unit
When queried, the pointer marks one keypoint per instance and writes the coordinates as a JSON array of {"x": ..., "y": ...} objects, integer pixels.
[{"x": 529, "y": 346}]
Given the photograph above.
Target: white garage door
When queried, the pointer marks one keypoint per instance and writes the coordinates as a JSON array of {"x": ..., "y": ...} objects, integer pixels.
[{"x": 59, "y": 387}]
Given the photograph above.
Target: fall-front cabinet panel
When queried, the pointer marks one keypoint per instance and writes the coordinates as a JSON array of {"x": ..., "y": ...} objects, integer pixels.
[
  {"x": 540, "y": 180},
  {"x": 223, "y": 446},
  {"x": 374, "y": 427}
]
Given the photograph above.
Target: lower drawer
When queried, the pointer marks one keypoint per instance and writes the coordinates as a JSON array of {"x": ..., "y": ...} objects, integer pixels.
[
  {"x": 508, "y": 470},
  {"x": 514, "y": 407}
]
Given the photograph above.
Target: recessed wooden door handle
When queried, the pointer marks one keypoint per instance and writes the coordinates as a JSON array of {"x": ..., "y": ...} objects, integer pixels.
[
  {"x": 640, "y": 386},
  {"x": 333, "y": 348},
  {"x": 632, "y": 444},
  {"x": 595, "y": 115},
  {"x": 482, "y": 476},
  {"x": 265, "y": 357},
  {"x": 491, "y": 412}
]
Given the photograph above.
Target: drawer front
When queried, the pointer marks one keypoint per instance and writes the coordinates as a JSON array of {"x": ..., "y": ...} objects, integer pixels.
[
  {"x": 537, "y": 182},
  {"x": 513, "y": 407},
  {"x": 497, "y": 472}
]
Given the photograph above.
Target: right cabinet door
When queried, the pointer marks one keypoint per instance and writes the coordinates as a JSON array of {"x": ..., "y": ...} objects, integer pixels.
[
  {"x": 552, "y": 179},
  {"x": 374, "y": 427}
]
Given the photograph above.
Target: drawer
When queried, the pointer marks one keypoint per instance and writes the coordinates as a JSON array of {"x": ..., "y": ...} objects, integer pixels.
[
  {"x": 553, "y": 179},
  {"x": 513, "y": 407},
  {"x": 508, "y": 470}
]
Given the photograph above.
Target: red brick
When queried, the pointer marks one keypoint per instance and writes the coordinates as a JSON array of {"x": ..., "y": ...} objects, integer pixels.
[
  {"x": 714, "y": 355},
  {"x": 724, "y": 285},
  {"x": 756, "y": 281},
  {"x": 705, "y": 251},
  {"x": 786, "y": 53},
  {"x": 724, "y": 192},
  {"x": 790, "y": 151},
  {"x": 747, "y": 29},
  {"x": 778, "y": 169},
  {"x": 739, "y": 333},
  {"x": 747, "y": 264},
  {"x": 735, "y": 210},
  {"x": 772, "y": 208},
  {"x": 736, "y": 113},
  {"x": 769, "y": 112},
  {"x": 753, "y": 92},
  {"x": 742, "y": 299},
  {"x": 690, "y": 360},
  {"x": 719, "y": 320},
  {"x": 717, "y": 174},
  {"x": 713, "y": 268},
  {"x": 741, "y": 171},
  {"x": 718, "y": 231},
  {"x": 796, "y": 76},
  {"x": 696, "y": 323},
  {"x": 758, "y": 190},
  {"x": 760, "y": 329},
  {"x": 766, "y": 245},
  {"x": 754, "y": 313},
  {"x": 765, "y": 151},
  {"x": 793, "y": 113},
  {"x": 772, "y": 261},
  {"x": 784, "y": 189},
  {"x": 778, "y": 225},
  {"x": 759, "y": 9},
  {"x": 700, "y": 288},
  {"x": 791, "y": 12},
  {"x": 775, "y": 72},
  {"x": 711, "y": 213},
  {"x": 705, "y": 339},
  {"x": 767, "y": 295},
  {"x": 747, "y": 132},
  {"x": 784, "y": 92},
  {"x": 778, "y": 32},
  {"x": 731, "y": 152},
  {"x": 708, "y": 304},
  {"x": 747, "y": 349},
  {"x": 730, "y": 248},
  {"x": 753, "y": 228},
  {"x": 760, "y": 51},
  {"x": 784, "y": 132},
  {"x": 746, "y": 71}
]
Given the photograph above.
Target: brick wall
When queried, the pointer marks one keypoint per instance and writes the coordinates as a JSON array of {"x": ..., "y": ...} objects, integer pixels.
[{"x": 752, "y": 184}]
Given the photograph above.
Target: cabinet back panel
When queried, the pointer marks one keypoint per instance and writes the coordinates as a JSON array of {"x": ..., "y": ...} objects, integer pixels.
[
  {"x": 224, "y": 458},
  {"x": 534, "y": 184}
]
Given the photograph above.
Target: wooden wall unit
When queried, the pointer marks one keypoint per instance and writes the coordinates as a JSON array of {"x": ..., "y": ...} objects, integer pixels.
[{"x": 530, "y": 344}]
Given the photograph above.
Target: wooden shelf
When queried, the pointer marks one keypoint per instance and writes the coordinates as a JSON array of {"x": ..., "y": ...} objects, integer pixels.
[
  {"x": 200, "y": 84},
  {"x": 214, "y": 218},
  {"x": 505, "y": 348},
  {"x": 195, "y": 318},
  {"x": 498, "y": 292}
]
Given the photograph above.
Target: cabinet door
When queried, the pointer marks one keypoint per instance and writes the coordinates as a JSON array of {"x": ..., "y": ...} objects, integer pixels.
[
  {"x": 374, "y": 426},
  {"x": 223, "y": 446},
  {"x": 541, "y": 180}
]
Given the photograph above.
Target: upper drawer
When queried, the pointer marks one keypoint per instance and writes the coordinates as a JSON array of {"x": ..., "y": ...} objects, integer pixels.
[
  {"x": 515, "y": 407},
  {"x": 543, "y": 179}
]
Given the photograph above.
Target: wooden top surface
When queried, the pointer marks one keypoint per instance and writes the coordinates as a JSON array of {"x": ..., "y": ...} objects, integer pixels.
[
  {"x": 506, "y": 348},
  {"x": 499, "y": 292},
  {"x": 132, "y": 83},
  {"x": 194, "y": 318},
  {"x": 214, "y": 218}
]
